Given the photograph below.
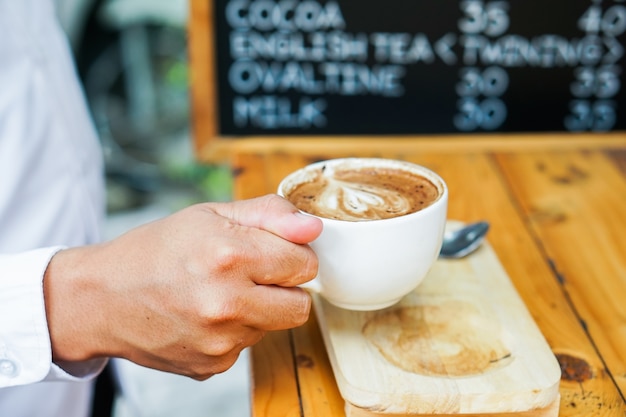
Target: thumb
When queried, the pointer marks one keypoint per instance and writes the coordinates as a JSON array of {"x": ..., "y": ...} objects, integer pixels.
[{"x": 275, "y": 215}]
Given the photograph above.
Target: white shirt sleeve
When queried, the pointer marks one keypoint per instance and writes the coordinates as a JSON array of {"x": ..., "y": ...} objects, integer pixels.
[
  {"x": 51, "y": 196},
  {"x": 25, "y": 349}
]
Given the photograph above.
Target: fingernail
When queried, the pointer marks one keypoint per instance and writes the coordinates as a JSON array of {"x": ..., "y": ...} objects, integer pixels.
[{"x": 303, "y": 215}]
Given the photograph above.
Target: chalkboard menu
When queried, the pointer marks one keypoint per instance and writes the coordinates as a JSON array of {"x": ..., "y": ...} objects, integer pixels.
[{"x": 369, "y": 67}]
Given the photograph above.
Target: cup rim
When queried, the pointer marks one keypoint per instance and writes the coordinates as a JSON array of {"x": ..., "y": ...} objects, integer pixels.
[{"x": 431, "y": 175}]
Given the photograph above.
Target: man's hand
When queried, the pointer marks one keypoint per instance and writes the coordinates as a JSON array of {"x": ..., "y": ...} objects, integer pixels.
[{"x": 187, "y": 293}]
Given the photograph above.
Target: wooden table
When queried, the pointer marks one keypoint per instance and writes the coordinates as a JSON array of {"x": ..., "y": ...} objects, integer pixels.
[{"x": 557, "y": 208}]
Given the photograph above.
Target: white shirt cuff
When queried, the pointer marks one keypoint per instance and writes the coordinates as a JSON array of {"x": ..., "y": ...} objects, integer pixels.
[{"x": 25, "y": 349}]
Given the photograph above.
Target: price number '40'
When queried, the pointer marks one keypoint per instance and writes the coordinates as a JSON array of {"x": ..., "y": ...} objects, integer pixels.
[{"x": 612, "y": 21}]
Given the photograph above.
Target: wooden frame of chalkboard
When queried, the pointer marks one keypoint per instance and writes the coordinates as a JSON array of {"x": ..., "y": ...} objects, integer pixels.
[{"x": 263, "y": 71}]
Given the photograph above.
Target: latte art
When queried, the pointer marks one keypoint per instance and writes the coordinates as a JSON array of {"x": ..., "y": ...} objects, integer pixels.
[
  {"x": 349, "y": 201},
  {"x": 363, "y": 193}
]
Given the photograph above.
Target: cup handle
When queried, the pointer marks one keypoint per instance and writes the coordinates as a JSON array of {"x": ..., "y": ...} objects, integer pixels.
[{"x": 313, "y": 285}]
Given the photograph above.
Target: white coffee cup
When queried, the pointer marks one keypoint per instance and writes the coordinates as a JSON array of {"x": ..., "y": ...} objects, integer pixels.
[{"x": 372, "y": 264}]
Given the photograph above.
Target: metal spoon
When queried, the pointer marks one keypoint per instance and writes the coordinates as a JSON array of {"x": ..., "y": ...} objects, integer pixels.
[{"x": 462, "y": 242}]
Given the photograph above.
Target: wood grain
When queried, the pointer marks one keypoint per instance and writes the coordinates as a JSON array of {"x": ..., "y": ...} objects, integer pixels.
[
  {"x": 550, "y": 411},
  {"x": 250, "y": 176},
  {"x": 318, "y": 389},
  {"x": 222, "y": 148},
  {"x": 203, "y": 75},
  {"x": 478, "y": 190},
  {"x": 275, "y": 391},
  {"x": 576, "y": 204}
]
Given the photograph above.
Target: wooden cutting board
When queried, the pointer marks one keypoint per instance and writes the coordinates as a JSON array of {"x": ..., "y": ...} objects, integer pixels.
[{"x": 462, "y": 343}]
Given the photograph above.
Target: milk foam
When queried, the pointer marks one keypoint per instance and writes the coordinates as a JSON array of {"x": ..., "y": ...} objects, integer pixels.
[
  {"x": 362, "y": 192},
  {"x": 354, "y": 201}
]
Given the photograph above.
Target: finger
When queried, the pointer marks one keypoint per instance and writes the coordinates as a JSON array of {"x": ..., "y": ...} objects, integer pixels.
[
  {"x": 284, "y": 308},
  {"x": 277, "y": 308},
  {"x": 218, "y": 365},
  {"x": 264, "y": 258},
  {"x": 206, "y": 363},
  {"x": 273, "y": 214},
  {"x": 288, "y": 268}
]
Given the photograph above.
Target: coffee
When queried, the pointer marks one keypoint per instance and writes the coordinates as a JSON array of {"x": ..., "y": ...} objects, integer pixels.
[{"x": 362, "y": 193}]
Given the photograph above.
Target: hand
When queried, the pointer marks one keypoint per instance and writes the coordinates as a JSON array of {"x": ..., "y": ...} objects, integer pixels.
[{"x": 187, "y": 293}]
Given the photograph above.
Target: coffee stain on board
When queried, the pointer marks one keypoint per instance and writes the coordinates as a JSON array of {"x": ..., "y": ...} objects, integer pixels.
[
  {"x": 453, "y": 339},
  {"x": 573, "y": 368}
]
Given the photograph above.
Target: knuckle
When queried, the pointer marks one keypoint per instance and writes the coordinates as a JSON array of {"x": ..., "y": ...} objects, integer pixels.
[
  {"x": 304, "y": 267},
  {"x": 220, "y": 347},
  {"x": 311, "y": 265},
  {"x": 226, "y": 363},
  {"x": 221, "y": 311},
  {"x": 226, "y": 258},
  {"x": 217, "y": 364},
  {"x": 202, "y": 377},
  {"x": 231, "y": 310},
  {"x": 302, "y": 310},
  {"x": 295, "y": 266},
  {"x": 271, "y": 200}
]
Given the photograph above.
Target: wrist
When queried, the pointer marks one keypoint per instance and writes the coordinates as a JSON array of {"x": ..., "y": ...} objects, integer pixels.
[{"x": 75, "y": 322}]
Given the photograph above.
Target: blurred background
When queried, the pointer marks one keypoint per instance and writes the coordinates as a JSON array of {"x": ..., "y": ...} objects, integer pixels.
[{"x": 131, "y": 56}]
